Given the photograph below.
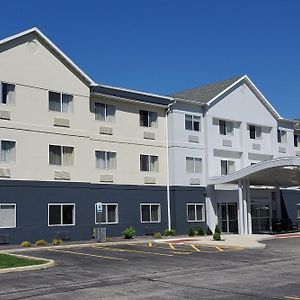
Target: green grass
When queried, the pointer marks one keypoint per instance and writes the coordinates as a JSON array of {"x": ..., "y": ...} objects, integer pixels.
[{"x": 11, "y": 261}]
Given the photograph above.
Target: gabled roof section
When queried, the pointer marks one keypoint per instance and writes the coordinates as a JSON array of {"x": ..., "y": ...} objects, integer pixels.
[
  {"x": 130, "y": 95},
  {"x": 65, "y": 59}
]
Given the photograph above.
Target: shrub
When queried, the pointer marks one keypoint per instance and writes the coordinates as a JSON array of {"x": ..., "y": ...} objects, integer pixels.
[
  {"x": 41, "y": 243},
  {"x": 217, "y": 236},
  {"x": 57, "y": 242},
  {"x": 26, "y": 244},
  {"x": 129, "y": 233},
  {"x": 209, "y": 232},
  {"x": 200, "y": 231},
  {"x": 157, "y": 235},
  {"x": 217, "y": 229},
  {"x": 191, "y": 232},
  {"x": 170, "y": 232}
]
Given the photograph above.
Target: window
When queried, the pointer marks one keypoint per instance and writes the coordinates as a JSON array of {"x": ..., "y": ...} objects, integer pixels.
[
  {"x": 192, "y": 122},
  {"x": 60, "y": 102},
  {"x": 104, "y": 112},
  {"x": 7, "y": 215},
  {"x": 227, "y": 167},
  {"x": 148, "y": 118},
  {"x": 281, "y": 136},
  {"x": 193, "y": 165},
  {"x": 149, "y": 163},
  {"x": 150, "y": 213},
  {"x": 298, "y": 210},
  {"x": 195, "y": 212},
  {"x": 225, "y": 127},
  {"x": 8, "y": 151},
  {"x": 61, "y": 155},
  {"x": 296, "y": 140},
  {"x": 61, "y": 214},
  {"x": 106, "y": 160},
  {"x": 255, "y": 132},
  {"x": 7, "y": 93},
  {"x": 109, "y": 214}
]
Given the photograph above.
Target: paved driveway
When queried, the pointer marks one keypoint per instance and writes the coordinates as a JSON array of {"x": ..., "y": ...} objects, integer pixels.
[{"x": 162, "y": 271}]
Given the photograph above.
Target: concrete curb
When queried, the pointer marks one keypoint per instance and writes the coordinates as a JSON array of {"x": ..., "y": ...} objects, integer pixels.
[{"x": 48, "y": 264}]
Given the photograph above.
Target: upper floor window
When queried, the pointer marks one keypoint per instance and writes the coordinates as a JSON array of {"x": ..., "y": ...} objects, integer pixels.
[
  {"x": 281, "y": 136},
  {"x": 148, "y": 118},
  {"x": 296, "y": 140},
  {"x": 7, "y": 93},
  {"x": 106, "y": 160},
  {"x": 105, "y": 112},
  {"x": 225, "y": 127},
  {"x": 149, "y": 163},
  {"x": 192, "y": 122},
  {"x": 61, "y": 155},
  {"x": 227, "y": 167},
  {"x": 193, "y": 165},
  {"x": 255, "y": 132},
  {"x": 8, "y": 151},
  {"x": 60, "y": 102}
]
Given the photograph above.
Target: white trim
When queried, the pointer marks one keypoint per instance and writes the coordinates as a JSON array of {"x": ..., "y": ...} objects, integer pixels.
[
  {"x": 53, "y": 46},
  {"x": 117, "y": 213},
  {"x": 15, "y": 219},
  {"x": 196, "y": 219},
  {"x": 61, "y": 214},
  {"x": 159, "y": 213}
]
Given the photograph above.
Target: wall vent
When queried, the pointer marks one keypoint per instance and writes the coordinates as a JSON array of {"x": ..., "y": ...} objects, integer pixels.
[
  {"x": 4, "y": 114},
  {"x": 193, "y": 138},
  {"x": 255, "y": 146},
  {"x": 4, "y": 173},
  {"x": 61, "y": 175},
  {"x": 60, "y": 122},
  {"x": 149, "y": 180},
  {"x": 282, "y": 150},
  {"x": 106, "y": 130},
  {"x": 106, "y": 178},
  {"x": 149, "y": 135},
  {"x": 227, "y": 143},
  {"x": 194, "y": 181}
]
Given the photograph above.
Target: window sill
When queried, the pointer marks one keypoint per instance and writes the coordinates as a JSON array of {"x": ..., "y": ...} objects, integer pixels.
[
  {"x": 150, "y": 222},
  {"x": 195, "y": 221},
  {"x": 61, "y": 225}
]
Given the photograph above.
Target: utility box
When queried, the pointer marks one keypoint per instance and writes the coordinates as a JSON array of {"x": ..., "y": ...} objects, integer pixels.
[{"x": 100, "y": 234}]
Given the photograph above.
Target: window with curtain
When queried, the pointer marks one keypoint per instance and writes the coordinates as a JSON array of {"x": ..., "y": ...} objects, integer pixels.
[
  {"x": 193, "y": 165},
  {"x": 61, "y": 214},
  {"x": 60, "y": 102},
  {"x": 150, "y": 213},
  {"x": 255, "y": 132},
  {"x": 8, "y": 151},
  {"x": 226, "y": 127},
  {"x": 104, "y": 112},
  {"x": 195, "y": 212},
  {"x": 281, "y": 136},
  {"x": 227, "y": 167},
  {"x": 109, "y": 214},
  {"x": 61, "y": 155},
  {"x": 7, "y": 93},
  {"x": 106, "y": 160},
  {"x": 148, "y": 118},
  {"x": 149, "y": 163},
  {"x": 192, "y": 122},
  {"x": 7, "y": 215}
]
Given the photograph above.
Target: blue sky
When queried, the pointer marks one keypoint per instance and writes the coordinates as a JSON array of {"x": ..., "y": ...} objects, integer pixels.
[{"x": 164, "y": 46}]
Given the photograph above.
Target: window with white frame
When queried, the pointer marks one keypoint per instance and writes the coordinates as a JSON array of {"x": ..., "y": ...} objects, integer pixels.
[
  {"x": 61, "y": 214},
  {"x": 109, "y": 215},
  {"x": 106, "y": 160},
  {"x": 61, "y": 155},
  {"x": 8, "y": 151},
  {"x": 297, "y": 140},
  {"x": 60, "y": 102},
  {"x": 7, "y": 93},
  {"x": 192, "y": 122},
  {"x": 298, "y": 210},
  {"x": 227, "y": 167},
  {"x": 150, "y": 213},
  {"x": 148, "y": 118},
  {"x": 149, "y": 163},
  {"x": 195, "y": 212},
  {"x": 104, "y": 112},
  {"x": 7, "y": 215},
  {"x": 193, "y": 165},
  {"x": 226, "y": 127},
  {"x": 281, "y": 136},
  {"x": 255, "y": 132}
]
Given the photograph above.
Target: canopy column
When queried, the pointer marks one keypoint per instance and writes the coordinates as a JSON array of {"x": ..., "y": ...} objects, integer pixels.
[
  {"x": 249, "y": 208},
  {"x": 245, "y": 206},
  {"x": 240, "y": 207}
]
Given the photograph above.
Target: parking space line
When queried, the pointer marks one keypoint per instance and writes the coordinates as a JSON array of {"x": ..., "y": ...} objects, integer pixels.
[
  {"x": 87, "y": 254},
  {"x": 132, "y": 251},
  {"x": 150, "y": 244},
  {"x": 218, "y": 248},
  {"x": 291, "y": 297},
  {"x": 195, "y": 248},
  {"x": 172, "y": 246}
]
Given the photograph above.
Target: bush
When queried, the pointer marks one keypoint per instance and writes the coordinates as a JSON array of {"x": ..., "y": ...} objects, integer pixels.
[
  {"x": 41, "y": 243},
  {"x": 157, "y": 235},
  {"x": 217, "y": 236},
  {"x": 129, "y": 233},
  {"x": 170, "y": 232},
  {"x": 200, "y": 231},
  {"x": 191, "y": 232},
  {"x": 26, "y": 244},
  {"x": 217, "y": 229},
  {"x": 209, "y": 232},
  {"x": 57, "y": 242}
]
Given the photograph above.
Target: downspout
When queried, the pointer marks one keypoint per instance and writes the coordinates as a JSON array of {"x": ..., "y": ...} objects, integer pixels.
[{"x": 167, "y": 165}]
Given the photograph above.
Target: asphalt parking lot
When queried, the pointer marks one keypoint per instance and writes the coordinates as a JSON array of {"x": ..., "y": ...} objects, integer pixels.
[{"x": 161, "y": 271}]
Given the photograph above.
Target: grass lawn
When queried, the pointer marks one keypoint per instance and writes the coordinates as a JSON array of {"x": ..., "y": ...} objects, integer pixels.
[{"x": 11, "y": 261}]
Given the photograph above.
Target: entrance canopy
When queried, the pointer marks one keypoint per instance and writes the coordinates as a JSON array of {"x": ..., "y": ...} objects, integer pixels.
[{"x": 283, "y": 172}]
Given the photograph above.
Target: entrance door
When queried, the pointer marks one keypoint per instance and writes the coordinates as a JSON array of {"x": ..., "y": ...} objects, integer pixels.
[
  {"x": 261, "y": 221},
  {"x": 227, "y": 216}
]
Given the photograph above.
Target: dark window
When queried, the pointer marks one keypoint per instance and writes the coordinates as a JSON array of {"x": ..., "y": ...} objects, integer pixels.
[
  {"x": 61, "y": 214},
  {"x": 252, "y": 132},
  {"x": 144, "y": 163},
  {"x": 296, "y": 140},
  {"x": 68, "y": 214},
  {"x": 150, "y": 213},
  {"x": 148, "y": 118},
  {"x": 192, "y": 122},
  {"x": 54, "y": 215},
  {"x": 222, "y": 127}
]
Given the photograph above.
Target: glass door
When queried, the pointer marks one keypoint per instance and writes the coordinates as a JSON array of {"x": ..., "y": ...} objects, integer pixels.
[
  {"x": 261, "y": 221},
  {"x": 227, "y": 216}
]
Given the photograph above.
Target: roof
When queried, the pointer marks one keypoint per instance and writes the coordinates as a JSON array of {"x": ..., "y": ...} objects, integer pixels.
[
  {"x": 131, "y": 95},
  {"x": 205, "y": 93},
  {"x": 65, "y": 59}
]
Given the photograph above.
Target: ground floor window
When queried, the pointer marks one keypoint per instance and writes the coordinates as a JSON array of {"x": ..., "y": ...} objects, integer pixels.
[
  {"x": 109, "y": 215},
  {"x": 150, "y": 213},
  {"x": 7, "y": 215},
  {"x": 298, "y": 210},
  {"x": 195, "y": 212},
  {"x": 61, "y": 214}
]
